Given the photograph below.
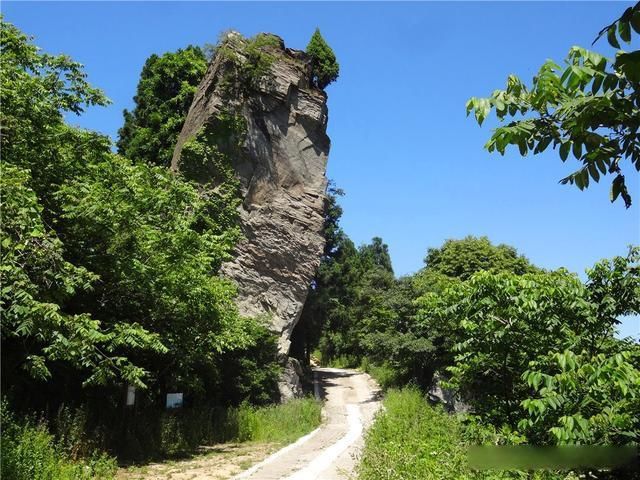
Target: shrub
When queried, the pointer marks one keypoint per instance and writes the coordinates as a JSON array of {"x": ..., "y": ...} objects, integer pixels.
[{"x": 384, "y": 374}]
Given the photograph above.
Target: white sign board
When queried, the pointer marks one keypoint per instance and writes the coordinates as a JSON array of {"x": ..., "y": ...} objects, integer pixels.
[
  {"x": 131, "y": 395},
  {"x": 174, "y": 400}
]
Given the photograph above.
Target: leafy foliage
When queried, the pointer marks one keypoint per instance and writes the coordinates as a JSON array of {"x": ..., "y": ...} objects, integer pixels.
[
  {"x": 551, "y": 333},
  {"x": 589, "y": 108},
  {"x": 164, "y": 94},
  {"x": 154, "y": 242},
  {"x": 37, "y": 278},
  {"x": 504, "y": 322},
  {"x": 462, "y": 258},
  {"x": 324, "y": 66},
  {"x": 585, "y": 399},
  {"x": 109, "y": 266}
]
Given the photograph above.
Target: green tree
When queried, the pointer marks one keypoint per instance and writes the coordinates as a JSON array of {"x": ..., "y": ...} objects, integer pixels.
[
  {"x": 376, "y": 254},
  {"x": 154, "y": 242},
  {"x": 110, "y": 266},
  {"x": 346, "y": 299},
  {"x": 324, "y": 66},
  {"x": 590, "y": 107},
  {"x": 36, "y": 282},
  {"x": 37, "y": 89},
  {"x": 39, "y": 152},
  {"x": 165, "y": 91},
  {"x": 545, "y": 340},
  {"x": 446, "y": 269},
  {"x": 462, "y": 258}
]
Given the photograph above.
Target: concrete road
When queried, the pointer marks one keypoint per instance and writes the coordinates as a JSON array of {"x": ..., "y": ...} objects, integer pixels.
[{"x": 330, "y": 452}]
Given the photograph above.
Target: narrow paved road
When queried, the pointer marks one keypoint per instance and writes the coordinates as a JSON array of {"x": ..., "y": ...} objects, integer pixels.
[{"x": 331, "y": 451}]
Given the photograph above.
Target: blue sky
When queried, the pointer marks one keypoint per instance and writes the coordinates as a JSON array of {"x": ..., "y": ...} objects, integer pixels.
[{"x": 412, "y": 165}]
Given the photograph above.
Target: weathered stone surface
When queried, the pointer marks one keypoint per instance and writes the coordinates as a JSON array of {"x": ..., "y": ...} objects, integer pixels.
[
  {"x": 282, "y": 174},
  {"x": 290, "y": 384},
  {"x": 447, "y": 397}
]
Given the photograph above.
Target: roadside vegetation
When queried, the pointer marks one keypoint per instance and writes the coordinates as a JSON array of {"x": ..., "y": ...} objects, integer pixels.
[
  {"x": 110, "y": 282},
  {"x": 31, "y": 452},
  {"x": 531, "y": 353},
  {"x": 412, "y": 440},
  {"x": 110, "y": 278}
]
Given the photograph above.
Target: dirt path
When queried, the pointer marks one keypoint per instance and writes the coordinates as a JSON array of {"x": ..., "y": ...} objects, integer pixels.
[
  {"x": 216, "y": 462},
  {"x": 330, "y": 452}
]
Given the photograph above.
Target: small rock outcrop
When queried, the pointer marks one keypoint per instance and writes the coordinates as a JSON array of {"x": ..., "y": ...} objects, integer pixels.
[{"x": 281, "y": 168}]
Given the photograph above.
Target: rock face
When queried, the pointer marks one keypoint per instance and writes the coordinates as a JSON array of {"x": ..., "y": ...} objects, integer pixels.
[
  {"x": 447, "y": 397},
  {"x": 281, "y": 171}
]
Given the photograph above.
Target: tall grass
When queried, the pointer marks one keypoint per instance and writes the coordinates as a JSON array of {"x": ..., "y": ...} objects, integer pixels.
[
  {"x": 29, "y": 452},
  {"x": 412, "y": 439},
  {"x": 279, "y": 423},
  {"x": 179, "y": 433}
]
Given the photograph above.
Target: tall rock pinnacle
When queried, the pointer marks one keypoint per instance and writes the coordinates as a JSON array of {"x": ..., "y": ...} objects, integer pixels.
[{"x": 281, "y": 168}]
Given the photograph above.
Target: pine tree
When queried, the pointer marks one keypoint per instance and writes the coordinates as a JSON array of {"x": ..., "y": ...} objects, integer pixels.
[{"x": 324, "y": 65}]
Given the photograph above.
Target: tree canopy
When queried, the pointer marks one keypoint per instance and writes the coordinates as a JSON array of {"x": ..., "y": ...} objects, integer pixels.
[
  {"x": 324, "y": 66},
  {"x": 462, "y": 258},
  {"x": 589, "y": 107},
  {"x": 165, "y": 91}
]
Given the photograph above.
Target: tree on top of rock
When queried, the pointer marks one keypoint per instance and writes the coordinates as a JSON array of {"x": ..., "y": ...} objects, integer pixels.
[{"x": 324, "y": 66}]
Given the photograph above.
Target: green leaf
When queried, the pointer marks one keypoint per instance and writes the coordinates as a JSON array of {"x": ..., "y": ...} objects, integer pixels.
[
  {"x": 564, "y": 150},
  {"x": 635, "y": 21},
  {"x": 629, "y": 64},
  {"x": 469, "y": 105},
  {"x": 597, "y": 83},
  {"x": 610, "y": 82},
  {"x": 611, "y": 37},
  {"x": 522, "y": 146},
  {"x": 543, "y": 144},
  {"x": 593, "y": 171},
  {"x": 624, "y": 31},
  {"x": 577, "y": 149},
  {"x": 616, "y": 188}
]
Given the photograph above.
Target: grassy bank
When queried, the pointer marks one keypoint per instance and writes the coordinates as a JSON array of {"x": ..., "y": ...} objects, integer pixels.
[
  {"x": 414, "y": 440},
  {"x": 30, "y": 451},
  {"x": 279, "y": 423}
]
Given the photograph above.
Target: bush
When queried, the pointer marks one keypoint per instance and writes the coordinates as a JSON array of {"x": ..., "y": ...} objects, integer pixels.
[{"x": 384, "y": 374}]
